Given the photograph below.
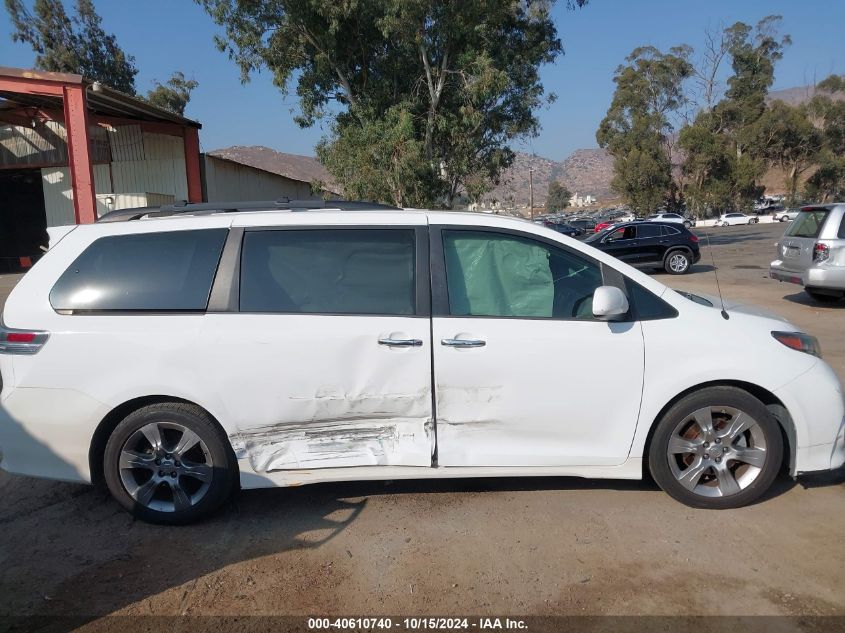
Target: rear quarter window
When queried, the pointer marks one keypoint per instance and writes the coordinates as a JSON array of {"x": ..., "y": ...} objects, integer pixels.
[
  {"x": 808, "y": 223},
  {"x": 166, "y": 271}
]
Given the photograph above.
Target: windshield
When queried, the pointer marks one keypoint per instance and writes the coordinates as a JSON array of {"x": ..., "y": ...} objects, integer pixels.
[
  {"x": 808, "y": 223},
  {"x": 595, "y": 237}
]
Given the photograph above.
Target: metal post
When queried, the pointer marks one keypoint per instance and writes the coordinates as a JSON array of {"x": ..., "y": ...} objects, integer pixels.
[
  {"x": 79, "y": 154},
  {"x": 531, "y": 192},
  {"x": 192, "y": 164}
]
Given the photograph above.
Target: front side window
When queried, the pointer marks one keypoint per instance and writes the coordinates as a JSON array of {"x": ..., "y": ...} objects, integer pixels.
[
  {"x": 166, "y": 271},
  {"x": 499, "y": 275},
  {"x": 808, "y": 223},
  {"x": 328, "y": 271},
  {"x": 624, "y": 233}
]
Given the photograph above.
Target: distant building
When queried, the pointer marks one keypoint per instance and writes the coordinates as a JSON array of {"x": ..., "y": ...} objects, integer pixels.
[{"x": 577, "y": 200}]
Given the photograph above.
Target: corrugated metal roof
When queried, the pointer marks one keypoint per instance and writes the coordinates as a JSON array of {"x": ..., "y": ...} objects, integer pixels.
[{"x": 101, "y": 99}]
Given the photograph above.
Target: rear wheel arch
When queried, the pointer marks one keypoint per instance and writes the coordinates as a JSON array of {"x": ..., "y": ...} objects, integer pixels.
[
  {"x": 771, "y": 401},
  {"x": 108, "y": 424}
]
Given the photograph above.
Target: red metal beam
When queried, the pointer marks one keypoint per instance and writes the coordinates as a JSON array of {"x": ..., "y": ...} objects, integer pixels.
[
  {"x": 27, "y": 86},
  {"x": 79, "y": 155},
  {"x": 192, "y": 164}
]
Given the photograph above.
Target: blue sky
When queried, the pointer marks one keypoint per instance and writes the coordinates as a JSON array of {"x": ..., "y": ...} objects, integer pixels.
[{"x": 168, "y": 35}]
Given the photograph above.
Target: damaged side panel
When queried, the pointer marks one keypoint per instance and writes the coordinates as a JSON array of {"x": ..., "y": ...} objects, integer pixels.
[{"x": 311, "y": 392}]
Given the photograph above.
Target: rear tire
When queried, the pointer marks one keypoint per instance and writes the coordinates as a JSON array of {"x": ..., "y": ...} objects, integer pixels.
[
  {"x": 716, "y": 448},
  {"x": 169, "y": 463},
  {"x": 677, "y": 262},
  {"x": 822, "y": 297}
]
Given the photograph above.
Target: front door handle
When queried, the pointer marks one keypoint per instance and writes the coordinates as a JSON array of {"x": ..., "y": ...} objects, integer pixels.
[
  {"x": 463, "y": 342},
  {"x": 400, "y": 342}
]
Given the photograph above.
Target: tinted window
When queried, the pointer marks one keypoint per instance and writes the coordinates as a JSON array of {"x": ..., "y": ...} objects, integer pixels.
[
  {"x": 842, "y": 227},
  {"x": 170, "y": 271},
  {"x": 490, "y": 274},
  {"x": 648, "y": 230},
  {"x": 623, "y": 233},
  {"x": 646, "y": 305},
  {"x": 670, "y": 230},
  {"x": 328, "y": 271},
  {"x": 808, "y": 223},
  {"x": 673, "y": 216}
]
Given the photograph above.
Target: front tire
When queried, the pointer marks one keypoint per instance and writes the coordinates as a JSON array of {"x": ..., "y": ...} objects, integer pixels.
[
  {"x": 169, "y": 463},
  {"x": 716, "y": 448}
]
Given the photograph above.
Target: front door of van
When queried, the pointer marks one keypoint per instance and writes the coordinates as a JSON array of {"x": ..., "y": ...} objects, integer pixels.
[
  {"x": 524, "y": 374},
  {"x": 327, "y": 360}
]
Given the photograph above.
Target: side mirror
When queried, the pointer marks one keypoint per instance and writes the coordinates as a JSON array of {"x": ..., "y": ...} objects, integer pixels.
[{"x": 609, "y": 303}]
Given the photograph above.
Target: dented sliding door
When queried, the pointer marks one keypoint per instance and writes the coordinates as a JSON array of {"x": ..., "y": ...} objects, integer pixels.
[{"x": 327, "y": 361}]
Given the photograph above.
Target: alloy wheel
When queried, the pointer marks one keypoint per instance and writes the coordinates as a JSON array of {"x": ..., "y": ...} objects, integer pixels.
[
  {"x": 678, "y": 263},
  {"x": 165, "y": 466},
  {"x": 717, "y": 451}
]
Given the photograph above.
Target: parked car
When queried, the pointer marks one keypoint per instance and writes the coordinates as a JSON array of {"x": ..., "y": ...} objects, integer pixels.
[
  {"x": 812, "y": 252},
  {"x": 786, "y": 215},
  {"x": 179, "y": 357},
  {"x": 583, "y": 224},
  {"x": 606, "y": 224},
  {"x": 650, "y": 245},
  {"x": 563, "y": 228},
  {"x": 675, "y": 218},
  {"x": 732, "y": 219}
]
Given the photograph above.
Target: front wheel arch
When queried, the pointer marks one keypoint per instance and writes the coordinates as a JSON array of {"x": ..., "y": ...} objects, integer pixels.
[
  {"x": 108, "y": 424},
  {"x": 770, "y": 400}
]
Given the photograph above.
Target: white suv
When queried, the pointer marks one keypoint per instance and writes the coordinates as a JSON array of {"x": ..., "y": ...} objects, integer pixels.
[{"x": 178, "y": 358}]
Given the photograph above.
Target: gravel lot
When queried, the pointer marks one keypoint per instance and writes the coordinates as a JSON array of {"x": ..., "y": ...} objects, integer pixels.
[{"x": 530, "y": 547}]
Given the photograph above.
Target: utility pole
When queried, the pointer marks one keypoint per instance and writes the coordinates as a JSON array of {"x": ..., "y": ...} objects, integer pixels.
[{"x": 531, "y": 192}]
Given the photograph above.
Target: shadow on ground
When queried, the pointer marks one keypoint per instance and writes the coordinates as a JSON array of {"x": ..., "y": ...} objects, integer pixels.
[
  {"x": 119, "y": 561},
  {"x": 804, "y": 299}
]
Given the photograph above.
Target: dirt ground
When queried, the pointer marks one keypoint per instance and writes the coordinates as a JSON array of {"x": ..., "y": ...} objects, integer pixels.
[{"x": 521, "y": 547}]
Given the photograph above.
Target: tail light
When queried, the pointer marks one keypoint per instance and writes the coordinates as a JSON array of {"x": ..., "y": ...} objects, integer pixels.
[
  {"x": 821, "y": 252},
  {"x": 694, "y": 238},
  {"x": 21, "y": 341}
]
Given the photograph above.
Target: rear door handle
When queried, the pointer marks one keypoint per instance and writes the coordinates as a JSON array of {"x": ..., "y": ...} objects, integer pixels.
[
  {"x": 400, "y": 342},
  {"x": 462, "y": 342}
]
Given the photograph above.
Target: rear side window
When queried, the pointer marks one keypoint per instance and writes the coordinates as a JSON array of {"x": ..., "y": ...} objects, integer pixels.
[
  {"x": 167, "y": 271},
  {"x": 842, "y": 227},
  {"x": 645, "y": 231},
  {"x": 808, "y": 223},
  {"x": 670, "y": 230},
  {"x": 328, "y": 271}
]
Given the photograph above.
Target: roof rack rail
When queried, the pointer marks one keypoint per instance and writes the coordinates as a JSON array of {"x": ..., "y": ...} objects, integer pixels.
[{"x": 208, "y": 208}]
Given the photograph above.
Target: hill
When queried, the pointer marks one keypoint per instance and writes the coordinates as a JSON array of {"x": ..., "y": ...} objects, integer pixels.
[
  {"x": 305, "y": 168},
  {"x": 586, "y": 171}
]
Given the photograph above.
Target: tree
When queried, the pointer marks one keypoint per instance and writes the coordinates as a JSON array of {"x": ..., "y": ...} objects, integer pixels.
[
  {"x": 72, "y": 45},
  {"x": 753, "y": 53},
  {"x": 786, "y": 138},
  {"x": 558, "y": 197},
  {"x": 465, "y": 73},
  {"x": 827, "y": 183},
  {"x": 174, "y": 95},
  {"x": 636, "y": 129},
  {"x": 725, "y": 155}
]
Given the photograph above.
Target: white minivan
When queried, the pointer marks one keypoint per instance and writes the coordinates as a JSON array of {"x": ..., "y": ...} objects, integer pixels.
[{"x": 185, "y": 352}]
